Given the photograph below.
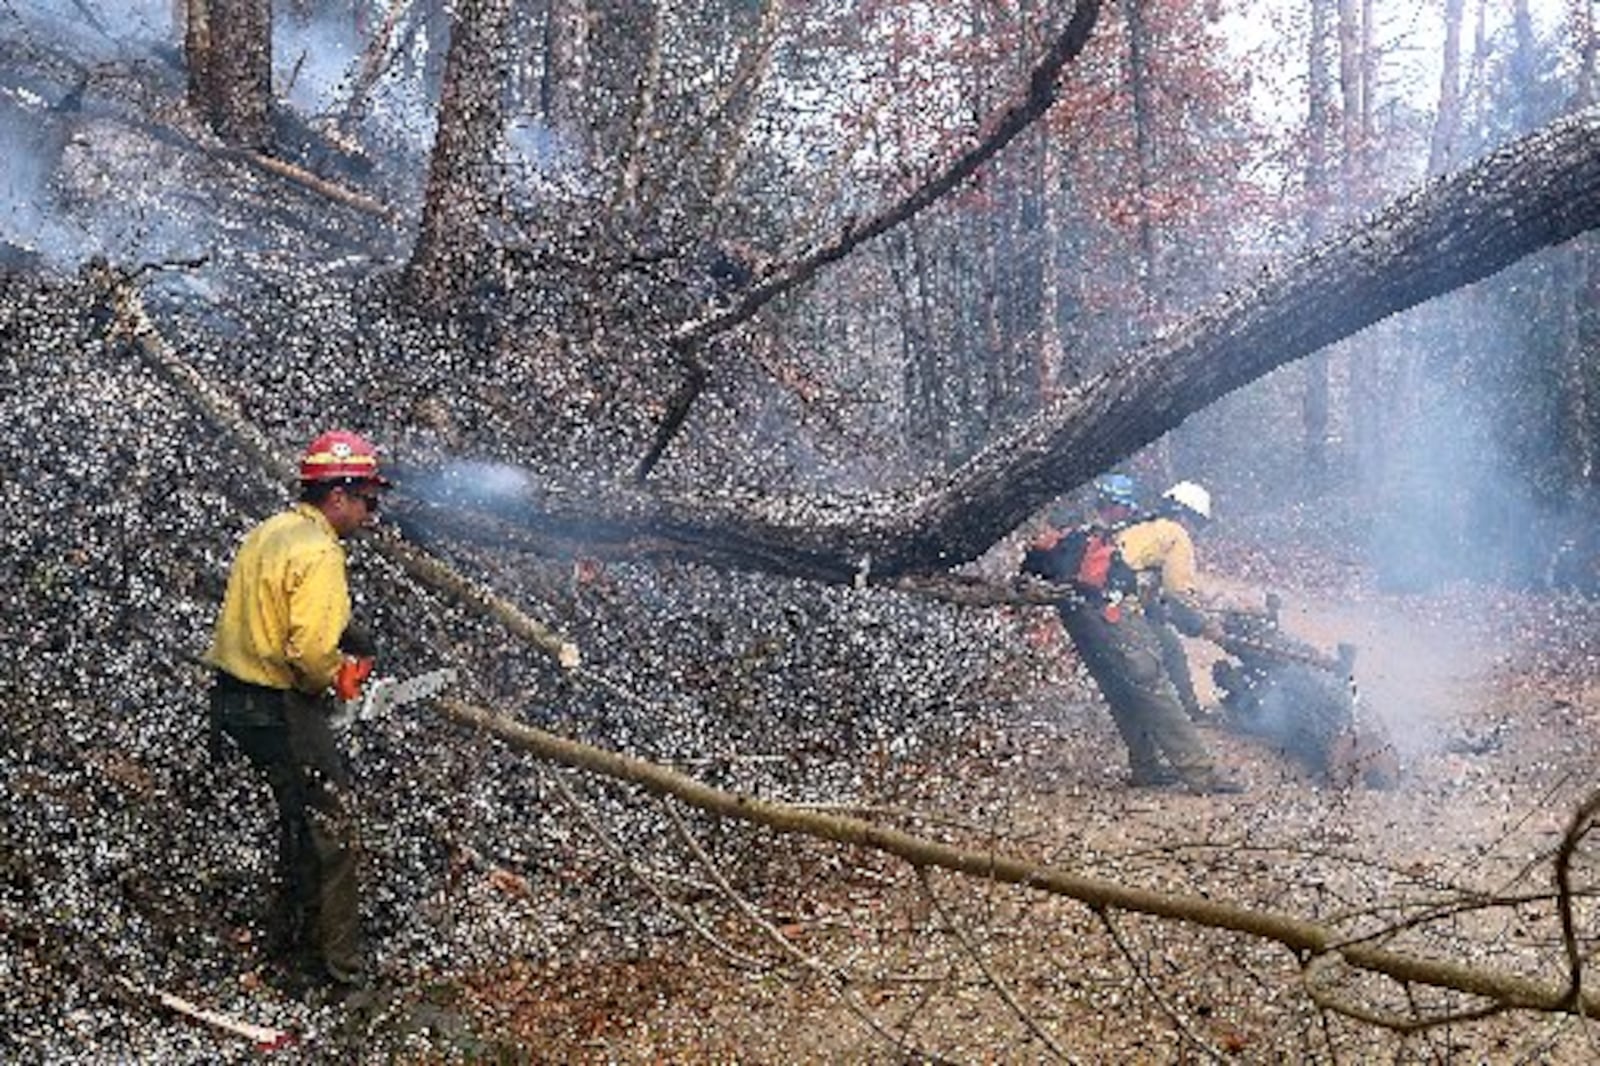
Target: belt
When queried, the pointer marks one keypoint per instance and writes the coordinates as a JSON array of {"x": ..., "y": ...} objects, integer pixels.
[{"x": 228, "y": 683}]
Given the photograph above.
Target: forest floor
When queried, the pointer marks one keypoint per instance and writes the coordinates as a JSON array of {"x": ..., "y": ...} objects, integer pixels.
[
  {"x": 1493, "y": 702},
  {"x": 535, "y": 940}
]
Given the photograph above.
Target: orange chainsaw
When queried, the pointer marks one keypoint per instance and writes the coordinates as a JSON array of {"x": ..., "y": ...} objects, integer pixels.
[{"x": 382, "y": 695}]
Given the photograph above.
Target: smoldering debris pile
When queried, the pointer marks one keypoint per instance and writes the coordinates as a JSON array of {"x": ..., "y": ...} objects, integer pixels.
[{"x": 127, "y": 853}]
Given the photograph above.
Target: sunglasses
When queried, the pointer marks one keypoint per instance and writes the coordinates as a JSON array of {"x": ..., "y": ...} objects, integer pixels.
[{"x": 368, "y": 499}]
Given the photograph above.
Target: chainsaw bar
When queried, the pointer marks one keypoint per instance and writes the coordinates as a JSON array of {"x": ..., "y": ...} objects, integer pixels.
[{"x": 387, "y": 693}]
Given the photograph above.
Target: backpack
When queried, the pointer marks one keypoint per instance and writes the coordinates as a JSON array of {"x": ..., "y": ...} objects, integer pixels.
[{"x": 1088, "y": 558}]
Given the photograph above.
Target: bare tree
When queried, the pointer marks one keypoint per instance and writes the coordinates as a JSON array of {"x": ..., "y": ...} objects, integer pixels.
[
  {"x": 1581, "y": 323},
  {"x": 1316, "y": 403},
  {"x": 464, "y": 182},
  {"x": 228, "y": 46},
  {"x": 1443, "y": 145}
]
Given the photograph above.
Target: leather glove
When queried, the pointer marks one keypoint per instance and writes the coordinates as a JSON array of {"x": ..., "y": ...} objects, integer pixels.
[{"x": 352, "y": 674}]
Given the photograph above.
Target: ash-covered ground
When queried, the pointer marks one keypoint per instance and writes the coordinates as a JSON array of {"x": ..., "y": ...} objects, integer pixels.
[
  {"x": 132, "y": 860},
  {"x": 130, "y": 855}
]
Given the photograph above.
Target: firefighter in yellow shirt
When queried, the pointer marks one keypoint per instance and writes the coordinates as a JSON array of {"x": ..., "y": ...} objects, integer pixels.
[
  {"x": 1160, "y": 549},
  {"x": 282, "y": 650}
]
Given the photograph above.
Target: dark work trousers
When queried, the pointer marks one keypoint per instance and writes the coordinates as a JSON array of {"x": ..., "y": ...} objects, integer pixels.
[
  {"x": 1124, "y": 658},
  {"x": 1176, "y": 660},
  {"x": 286, "y": 735}
]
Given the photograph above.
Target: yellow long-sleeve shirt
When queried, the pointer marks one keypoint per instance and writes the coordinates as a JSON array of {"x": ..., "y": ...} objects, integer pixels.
[
  {"x": 287, "y": 604},
  {"x": 1161, "y": 545}
]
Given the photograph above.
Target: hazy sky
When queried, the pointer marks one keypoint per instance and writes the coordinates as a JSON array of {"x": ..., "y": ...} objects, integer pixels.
[{"x": 1410, "y": 35}]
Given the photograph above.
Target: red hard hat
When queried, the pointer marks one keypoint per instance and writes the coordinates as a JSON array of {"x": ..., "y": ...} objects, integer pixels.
[{"x": 340, "y": 455}]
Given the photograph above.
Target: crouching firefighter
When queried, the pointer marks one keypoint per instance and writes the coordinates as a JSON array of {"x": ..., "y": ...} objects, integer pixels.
[
  {"x": 1160, "y": 549},
  {"x": 1103, "y": 616},
  {"x": 283, "y": 650}
]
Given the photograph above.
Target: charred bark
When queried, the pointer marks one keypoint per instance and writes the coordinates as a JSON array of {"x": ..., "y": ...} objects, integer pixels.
[
  {"x": 228, "y": 47},
  {"x": 462, "y": 180}
]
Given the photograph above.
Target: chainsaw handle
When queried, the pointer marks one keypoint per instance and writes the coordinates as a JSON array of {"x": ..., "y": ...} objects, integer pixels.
[{"x": 352, "y": 674}]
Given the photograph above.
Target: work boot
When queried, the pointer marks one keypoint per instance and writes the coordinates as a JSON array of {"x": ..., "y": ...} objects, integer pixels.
[
  {"x": 1152, "y": 777},
  {"x": 350, "y": 974},
  {"x": 1213, "y": 784}
]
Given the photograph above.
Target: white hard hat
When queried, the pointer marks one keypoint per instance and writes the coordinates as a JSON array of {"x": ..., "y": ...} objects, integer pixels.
[{"x": 1191, "y": 495}]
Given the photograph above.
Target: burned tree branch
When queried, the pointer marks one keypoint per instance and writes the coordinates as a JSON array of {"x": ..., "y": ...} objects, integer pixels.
[
  {"x": 1580, "y": 826},
  {"x": 1305, "y": 937},
  {"x": 690, "y": 338},
  {"x": 307, "y": 180}
]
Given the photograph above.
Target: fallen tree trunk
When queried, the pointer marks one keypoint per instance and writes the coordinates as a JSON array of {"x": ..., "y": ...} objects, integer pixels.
[
  {"x": 1310, "y": 941},
  {"x": 1532, "y": 194}
]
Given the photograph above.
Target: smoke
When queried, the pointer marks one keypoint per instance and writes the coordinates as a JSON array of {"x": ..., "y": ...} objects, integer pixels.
[
  {"x": 314, "y": 62},
  {"x": 538, "y": 160},
  {"x": 24, "y": 221},
  {"x": 486, "y": 486},
  {"x": 92, "y": 31}
]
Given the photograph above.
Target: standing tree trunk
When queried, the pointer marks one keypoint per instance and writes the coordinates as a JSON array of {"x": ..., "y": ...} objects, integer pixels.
[
  {"x": 642, "y": 131},
  {"x": 1364, "y": 363},
  {"x": 923, "y": 369},
  {"x": 1144, "y": 147},
  {"x": 228, "y": 47},
  {"x": 1524, "y": 64},
  {"x": 1350, "y": 93},
  {"x": 1315, "y": 404},
  {"x": 1047, "y": 367},
  {"x": 1144, "y": 141},
  {"x": 1447, "y": 123},
  {"x": 738, "y": 105},
  {"x": 451, "y": 254},
  {"x": 566, "y": 49},
  {"x": 1581, "y": 337}
]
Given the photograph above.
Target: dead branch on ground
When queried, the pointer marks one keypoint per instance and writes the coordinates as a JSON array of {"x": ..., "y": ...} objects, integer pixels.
[
  {"x": 1308, "y": 939},
  {"x": 836, "y": 982},
  {"x": 307, "y": 180},
  {"x": 620, "y": 857},
  {"x": 1142, "y": 975},
  {"x": 1001, "y": 989}
]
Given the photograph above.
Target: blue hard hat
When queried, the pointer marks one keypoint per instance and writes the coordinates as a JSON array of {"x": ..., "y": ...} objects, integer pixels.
[{"x": 1117, "y": 489}]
